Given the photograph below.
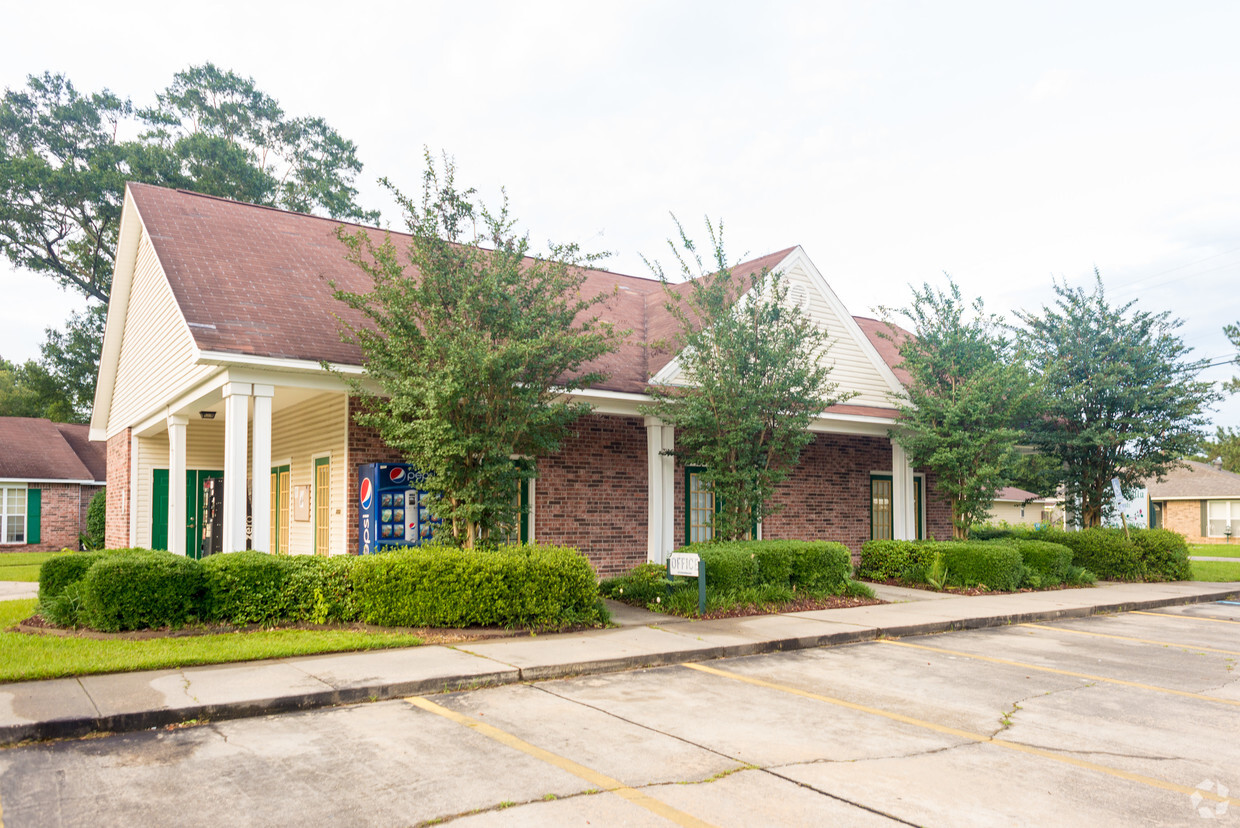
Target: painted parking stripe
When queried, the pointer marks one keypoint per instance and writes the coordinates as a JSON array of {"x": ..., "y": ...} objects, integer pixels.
[
  {"x": 1023, "y": 666},
  {"x": 598, "y": 780},
  {"x": 1177, "y": 644},
  {"x": 1189, "y": 617},
  {"x": 980, "y": 738}
]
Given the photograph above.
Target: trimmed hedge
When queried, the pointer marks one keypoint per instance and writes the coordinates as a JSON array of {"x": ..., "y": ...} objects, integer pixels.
[
  {"x": 1049, "y": 561},
  {"x": 898, "y": 560},
  {"x": 56, "y": 574},
  {"x": 1150, "y": 555},
  {"x": 539, "y": 586},
  {"x": 995, "y": 566},
  {"x": 140, "y": 590}
]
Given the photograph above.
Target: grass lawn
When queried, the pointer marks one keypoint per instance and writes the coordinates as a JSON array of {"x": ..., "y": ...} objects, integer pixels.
[
  {"x": 1216, "y": 570},
  {"x": 23, "y": 566},
  {"x": 1215, "y": 550},
  {"x": 25, "y": 657}
]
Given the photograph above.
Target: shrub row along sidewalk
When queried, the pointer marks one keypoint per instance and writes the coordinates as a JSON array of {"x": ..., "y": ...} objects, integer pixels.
[
  {"x": 766, "y": 573},
  {"x": 129, "y": 589},
  {"x": 1012, "y": 559}
]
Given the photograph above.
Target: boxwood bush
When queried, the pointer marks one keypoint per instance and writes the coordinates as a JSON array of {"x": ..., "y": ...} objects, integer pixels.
[
  {"x": 1164, "y": 555},
  {"x": 995, "y": 566},
  {"x": 142, "y": 589},
  {"x": 1047, "y": 561},
  {"x": 898, "y": 560},
  {"x": 441, "y": 586}
]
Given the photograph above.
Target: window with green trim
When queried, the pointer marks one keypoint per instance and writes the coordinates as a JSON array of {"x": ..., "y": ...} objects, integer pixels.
[
  {"x": 882, "y": 510},
  {"x": 13, "y": 514},
  {"x": 700, "y": 506}
]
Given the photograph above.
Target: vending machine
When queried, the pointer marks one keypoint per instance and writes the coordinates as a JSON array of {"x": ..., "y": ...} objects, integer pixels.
[{"x": 391, "y": 507}]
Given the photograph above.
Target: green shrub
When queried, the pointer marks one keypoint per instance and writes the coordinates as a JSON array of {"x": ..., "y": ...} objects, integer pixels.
[
  {"x": 810, "y": 567},
  {"x": 1048, "y": 561},
  {"x": 900, "y": 560},
  {"x": 141, "y": 589},
  {"x": 993, "y": 565},
  {"x": 96, "y": 520},
  {"x": 539, "y": 586},
  {"x": 321, "y": 589},
  {"x": 999, "y": 531},
  {"x": 65, "y": 608},
  {"x": 56, "y": 574},
  {"x": 1164, "y": 555},
  {"x": 246, "y": 587},
  {"x": 639, "y": 586},
  {"x": 1103, "y": 551}
]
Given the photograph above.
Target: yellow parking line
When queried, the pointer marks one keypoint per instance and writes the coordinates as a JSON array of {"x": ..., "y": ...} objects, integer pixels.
[
  {"x": 1175, "y": 644},
  {"x": 964, "y": 734},
  {"x": 1057, "y": 671},
  {"x": 598, "y": 780},
  {"x": 1189, "y": 617}
]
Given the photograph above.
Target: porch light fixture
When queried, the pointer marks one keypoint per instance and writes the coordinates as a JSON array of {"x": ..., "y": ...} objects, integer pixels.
[{"x": 207, "y": 415}]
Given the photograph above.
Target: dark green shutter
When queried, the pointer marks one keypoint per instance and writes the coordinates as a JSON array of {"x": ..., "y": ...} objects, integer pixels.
[
  {"x": 159, "y": 508},
  {"x": 34, "y": 514}
]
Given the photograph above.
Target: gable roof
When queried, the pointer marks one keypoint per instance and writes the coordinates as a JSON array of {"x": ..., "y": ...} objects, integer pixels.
[
  {"x": 253, "y": 281},
  {"x": 33, "y": 448},
  {"x": 887, "y": 338},
  {"x": 1011, "y": 494},
  {"x": 1199, "y": 481}
]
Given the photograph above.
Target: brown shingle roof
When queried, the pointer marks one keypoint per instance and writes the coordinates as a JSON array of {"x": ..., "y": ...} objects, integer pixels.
[
  {"x": 1199, "y": 480},
  {"x": 256, "y": 281},
  {"x": 36, "y": 449}
]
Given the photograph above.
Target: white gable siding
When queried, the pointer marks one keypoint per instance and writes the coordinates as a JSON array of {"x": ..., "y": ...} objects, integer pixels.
[
  {"x": 853, "y": 368},
  {"x": 157, "y": 352},
  {"x": 299, "y": 434}
]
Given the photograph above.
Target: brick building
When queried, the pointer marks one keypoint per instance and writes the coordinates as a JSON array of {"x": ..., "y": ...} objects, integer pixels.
[
  {"x": 1198, "y": 500},
  {"x": 48, "y": 474},
  {"x": 222, "y": 315}
]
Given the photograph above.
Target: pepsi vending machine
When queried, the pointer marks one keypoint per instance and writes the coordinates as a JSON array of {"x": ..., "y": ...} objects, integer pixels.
[{"x": 390, "y": 509}]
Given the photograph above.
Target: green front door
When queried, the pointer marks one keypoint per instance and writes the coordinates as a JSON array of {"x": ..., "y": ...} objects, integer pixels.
[{"x": 193, "y": 509}]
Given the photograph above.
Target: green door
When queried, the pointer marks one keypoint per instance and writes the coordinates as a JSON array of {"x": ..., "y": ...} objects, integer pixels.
[{"x": 193, "y": 509}]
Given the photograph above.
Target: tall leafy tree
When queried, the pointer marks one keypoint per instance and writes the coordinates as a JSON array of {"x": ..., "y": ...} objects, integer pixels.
[
  {"x": 28, "y": 390},
  {"x": 473, "y": 348},
  {"x": 1123, "y": 398},
  {"x": 1225, "y": 445},
  {"x": 756, "y": 379},
  {"x": 65, "y": 157},
  {"x": 967, "y": 400}
]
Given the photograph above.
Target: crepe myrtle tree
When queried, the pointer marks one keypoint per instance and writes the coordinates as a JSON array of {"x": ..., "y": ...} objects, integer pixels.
[
  {"x": 473, "y": 349},
  {"x": 755, "y": 375},
  {"x": 962, "y": 412},
  {"x": 1123, "y": 398}
]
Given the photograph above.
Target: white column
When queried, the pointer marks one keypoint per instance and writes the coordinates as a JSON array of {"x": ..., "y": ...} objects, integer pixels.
[
  {"x": 654, "y": 490},
  {"x": 176, "y": 483},
  {"x": 668, "y": 469},
  {"x": 260, "y": 487},
  {"x": 236, "y": 423},
  {"x": 903, "y": 507}
]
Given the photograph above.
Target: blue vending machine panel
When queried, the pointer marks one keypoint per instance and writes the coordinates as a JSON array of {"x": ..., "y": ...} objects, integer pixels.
[{"x": 390, "y": 507}]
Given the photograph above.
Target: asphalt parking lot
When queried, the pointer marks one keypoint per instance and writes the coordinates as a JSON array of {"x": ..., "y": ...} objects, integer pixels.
[{"x": 1130, "y": 719}]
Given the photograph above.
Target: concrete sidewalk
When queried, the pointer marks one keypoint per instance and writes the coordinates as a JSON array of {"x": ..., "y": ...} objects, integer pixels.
[{"x": 136, "y": 701}]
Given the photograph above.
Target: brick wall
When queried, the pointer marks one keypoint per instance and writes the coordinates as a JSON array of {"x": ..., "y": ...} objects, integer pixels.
[
  {"x": 116, "y": 536},
  {"x": 60, "y": 519},
  {"x": 1184, "y": 516},
  {"x": 591, "y": 495}
]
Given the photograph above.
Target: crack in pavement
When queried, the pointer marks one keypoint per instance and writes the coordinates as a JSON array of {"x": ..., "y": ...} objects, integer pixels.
[{"x": 745, "y": 764}]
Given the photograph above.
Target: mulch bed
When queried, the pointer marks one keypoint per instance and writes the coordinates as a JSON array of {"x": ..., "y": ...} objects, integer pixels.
[{"x": 37, "y": 625}]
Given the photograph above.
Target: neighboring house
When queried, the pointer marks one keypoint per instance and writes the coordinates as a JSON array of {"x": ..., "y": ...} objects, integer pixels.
[
  {"x": 1201, "y": 502},
  {"x": 222, "y": 314},
  {"x": 1021, "y": 508},
  {"x": 48, "y": 474}
]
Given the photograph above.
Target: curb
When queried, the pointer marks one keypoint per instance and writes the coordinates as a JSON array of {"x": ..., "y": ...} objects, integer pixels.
[{"x": 78, "y": 726}]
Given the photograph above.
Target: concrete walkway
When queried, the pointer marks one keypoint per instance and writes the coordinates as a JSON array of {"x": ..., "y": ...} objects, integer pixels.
[
  {"x": 12, "y": 590},
  {"x": 136, "y": 701},
  {"x": 1208, "y": 558}
]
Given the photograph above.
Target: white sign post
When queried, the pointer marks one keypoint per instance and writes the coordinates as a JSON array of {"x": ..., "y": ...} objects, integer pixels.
[{"x": 689, "y": 565}]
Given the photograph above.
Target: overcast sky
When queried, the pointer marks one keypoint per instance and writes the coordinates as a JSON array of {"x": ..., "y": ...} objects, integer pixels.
[{"x": 1008, "y": 144}]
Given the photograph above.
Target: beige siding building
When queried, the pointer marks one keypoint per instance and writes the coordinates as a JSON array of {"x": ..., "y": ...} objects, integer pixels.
[{"x": 1198, "y": 500}]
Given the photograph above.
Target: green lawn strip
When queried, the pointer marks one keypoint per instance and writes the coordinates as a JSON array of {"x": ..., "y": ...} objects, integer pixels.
[
  {"x": 26, "y": 657},
  {"x": 1215, "y": 550},
  {"x": 1216, "y": 570},
  {"x": 30, "y": 573},
  {"x": 8, "y": 559}
]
